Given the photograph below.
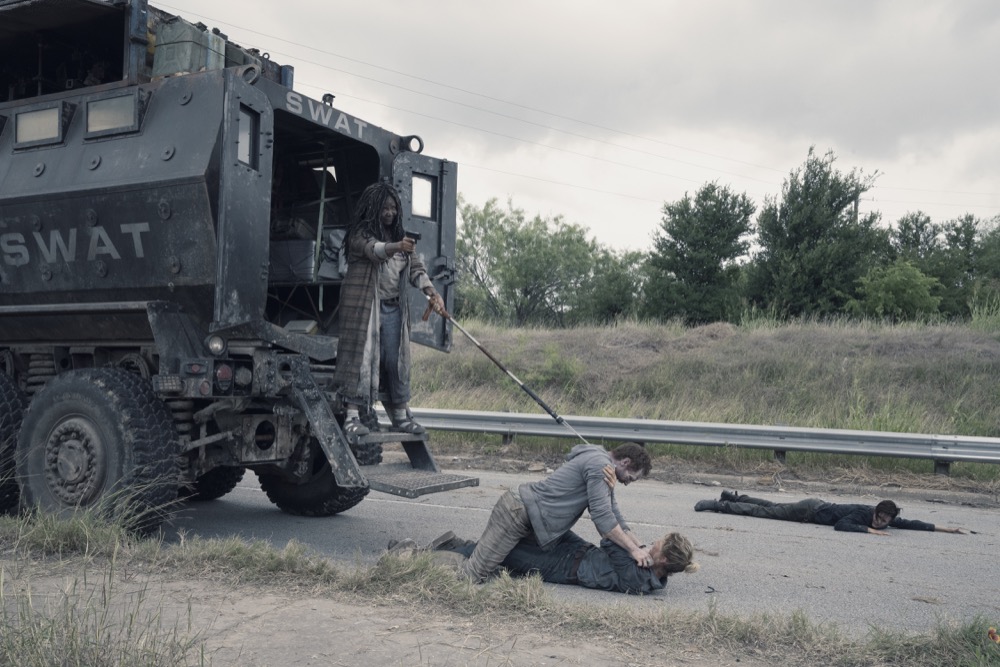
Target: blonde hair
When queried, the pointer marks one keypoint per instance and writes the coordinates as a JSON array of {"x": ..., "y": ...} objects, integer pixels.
[{"x": 678, "y": 552}]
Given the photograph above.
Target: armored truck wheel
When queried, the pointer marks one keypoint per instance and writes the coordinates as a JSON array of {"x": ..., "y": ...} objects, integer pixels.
[
  {"x": 12, "y": 404},
  {"x": 318, "y": 495},
  {"x": 99, "y": 438},
  {"x": 214, "y": 484}
]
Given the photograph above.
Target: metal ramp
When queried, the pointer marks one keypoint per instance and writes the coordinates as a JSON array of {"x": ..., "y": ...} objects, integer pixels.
[
  {"x": 418, "y": 477},
  {"x": 400, "y": 479}
]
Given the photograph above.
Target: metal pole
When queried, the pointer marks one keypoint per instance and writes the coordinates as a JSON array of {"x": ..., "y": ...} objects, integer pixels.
[{"x": 527, "y": 390}]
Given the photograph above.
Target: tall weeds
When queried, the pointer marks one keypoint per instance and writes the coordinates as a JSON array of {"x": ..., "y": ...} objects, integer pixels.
[
  {"x": 864, "y": 375},
  {"x": 986, "y": 313},
  {"x": 92, "y": 619}
]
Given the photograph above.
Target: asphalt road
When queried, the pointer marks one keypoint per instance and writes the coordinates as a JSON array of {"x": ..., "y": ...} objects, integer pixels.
[{"x": 908, "y": 580}]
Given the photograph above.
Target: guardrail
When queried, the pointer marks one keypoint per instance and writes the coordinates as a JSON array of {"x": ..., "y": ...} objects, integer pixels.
[{"x": 942, "y": 449}]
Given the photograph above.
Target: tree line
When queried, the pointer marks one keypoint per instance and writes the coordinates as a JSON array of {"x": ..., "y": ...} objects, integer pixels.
[{"x": 808, "y": 253}]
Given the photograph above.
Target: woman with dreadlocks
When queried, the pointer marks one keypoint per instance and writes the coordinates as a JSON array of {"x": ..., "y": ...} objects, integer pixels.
[{"x": 374, "y": 336}]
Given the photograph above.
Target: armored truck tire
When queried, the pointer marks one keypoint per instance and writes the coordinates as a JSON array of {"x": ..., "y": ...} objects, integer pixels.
[
  {"x": 12, "y": 404},
  {"x": 214, "y": 484},
  {"x": 99, "y": 438},
  {"x": 318, "y": 494}
]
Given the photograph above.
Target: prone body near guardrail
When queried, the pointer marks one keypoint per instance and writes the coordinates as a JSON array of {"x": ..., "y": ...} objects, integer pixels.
[{"x": 852, "y": 518}]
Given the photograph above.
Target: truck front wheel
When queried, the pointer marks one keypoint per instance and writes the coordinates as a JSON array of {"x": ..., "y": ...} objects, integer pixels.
[
  {"x": 317, "y": 495},
  {"x": 99, "y": 438},
  {"x": 12, "y": 404}
]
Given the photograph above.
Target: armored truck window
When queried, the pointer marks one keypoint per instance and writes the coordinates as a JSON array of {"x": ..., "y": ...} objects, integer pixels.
[
  {"x": 248, "y": 149},
  {"x": 423, "y": 196},
  {"x": 112, "y": 115},
  {"x": 42, "y": 126}
]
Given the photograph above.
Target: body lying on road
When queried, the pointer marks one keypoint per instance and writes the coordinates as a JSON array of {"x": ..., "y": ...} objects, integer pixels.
[
  {"x": 575, "y": 561},
  {"x": 844, "y": 517}
]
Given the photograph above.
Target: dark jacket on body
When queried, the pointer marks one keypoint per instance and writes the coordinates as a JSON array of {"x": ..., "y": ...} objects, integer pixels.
[{"x": 858, "y": 518}]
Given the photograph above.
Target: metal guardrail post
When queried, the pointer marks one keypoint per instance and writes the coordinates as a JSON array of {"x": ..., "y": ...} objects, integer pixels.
[{"x": 942, "y": 468}]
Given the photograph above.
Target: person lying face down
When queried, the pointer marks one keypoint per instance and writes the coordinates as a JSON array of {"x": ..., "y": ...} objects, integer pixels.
[{"x": 844, "y": 517}]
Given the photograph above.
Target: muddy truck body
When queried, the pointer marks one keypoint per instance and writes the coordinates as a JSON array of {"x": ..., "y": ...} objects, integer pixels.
[{"x": 172, "y": 212}]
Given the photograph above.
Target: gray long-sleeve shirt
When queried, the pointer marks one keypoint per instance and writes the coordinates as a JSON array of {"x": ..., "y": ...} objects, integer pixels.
[{"x": 554, "y": 504}]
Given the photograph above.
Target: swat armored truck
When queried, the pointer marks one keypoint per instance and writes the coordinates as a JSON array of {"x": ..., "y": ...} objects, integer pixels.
[{"x": 171, "y": 215}]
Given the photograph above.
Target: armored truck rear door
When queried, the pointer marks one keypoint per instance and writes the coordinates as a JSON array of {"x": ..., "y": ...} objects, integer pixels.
[
  {"x": 428, "y": 190},
  {"x": 244, "y": 204}
]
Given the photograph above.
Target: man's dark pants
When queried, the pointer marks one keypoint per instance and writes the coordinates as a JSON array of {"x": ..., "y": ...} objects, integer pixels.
[
  {"x": 802, "y": 511},
  {"x": 556, "y": 565}
]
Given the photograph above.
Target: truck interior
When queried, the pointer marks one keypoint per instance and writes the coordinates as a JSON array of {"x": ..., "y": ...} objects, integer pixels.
[
  {"x": 317, "y": 177},
  {"x": 50, "y": 47}
]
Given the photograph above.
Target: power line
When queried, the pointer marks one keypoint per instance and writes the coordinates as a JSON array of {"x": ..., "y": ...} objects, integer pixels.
[
  {"x": 487, "y": 97},
  {"x": 520, "y": 120},
  {"x": 563, "y": 183},
  {"x": 527, "y": 141},
  {"x": 541, "y": 125}
]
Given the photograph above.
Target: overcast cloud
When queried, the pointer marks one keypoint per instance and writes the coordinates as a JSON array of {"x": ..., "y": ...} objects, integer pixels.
[{"x": 601, "y": 112}]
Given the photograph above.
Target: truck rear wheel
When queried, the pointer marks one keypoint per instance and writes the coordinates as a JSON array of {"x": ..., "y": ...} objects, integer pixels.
[
  {"x": 12, "y": 404},
  {"x": 99, "y": 438},
  {"x": 318, "y": 495},
  {"x": 215, "y": 483}
]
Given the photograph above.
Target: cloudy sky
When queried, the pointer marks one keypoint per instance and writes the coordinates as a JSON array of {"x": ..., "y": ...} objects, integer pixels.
[{"x": 601, "y": 112}]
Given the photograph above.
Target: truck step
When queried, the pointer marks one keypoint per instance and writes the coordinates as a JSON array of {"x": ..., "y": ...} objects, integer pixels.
[
  {"x": 386, "y": 436},
  {"x": 400, "y": 479},
  {"x": 415, "y": 447}
]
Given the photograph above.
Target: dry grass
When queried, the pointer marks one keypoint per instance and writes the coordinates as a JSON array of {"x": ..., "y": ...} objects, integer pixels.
[
  {"x": 806, "y": 374},
  {"x": 93, "y": 624},
  {"x": 906, "y": 378},
  {"x": 94, "y": 618}
]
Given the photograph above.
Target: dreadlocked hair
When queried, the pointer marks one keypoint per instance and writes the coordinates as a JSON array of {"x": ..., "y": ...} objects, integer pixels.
[
  {"x": 678, "y": 551},
  {"x": 367, "y": 210}
]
